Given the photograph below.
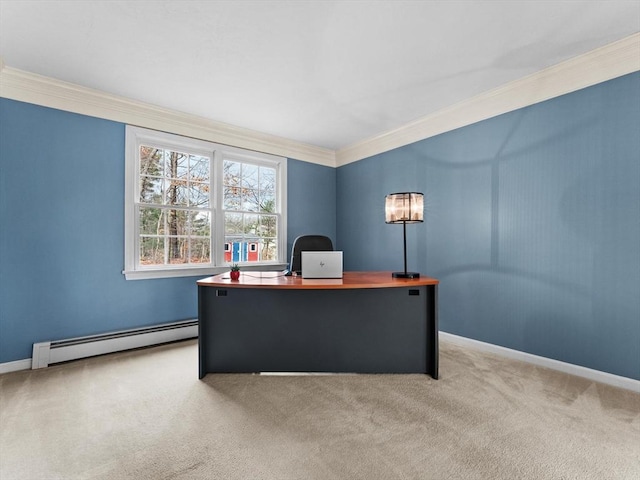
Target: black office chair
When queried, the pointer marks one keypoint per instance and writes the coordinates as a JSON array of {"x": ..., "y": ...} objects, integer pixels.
[{"x": 306, "y": 243}]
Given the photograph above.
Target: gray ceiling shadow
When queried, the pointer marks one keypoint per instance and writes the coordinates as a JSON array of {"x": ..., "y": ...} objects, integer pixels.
[
  {"x": 535, "y": 55},
  {"x": 494, "y": 163},
  {"x": 528, "y": 57},
  {"x": 500, "y": 156}
]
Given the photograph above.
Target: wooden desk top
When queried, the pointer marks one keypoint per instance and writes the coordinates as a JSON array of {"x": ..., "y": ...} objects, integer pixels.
[{"x": 350, "y": 280}]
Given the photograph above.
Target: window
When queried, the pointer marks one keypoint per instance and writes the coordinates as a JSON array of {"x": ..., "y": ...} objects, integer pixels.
[{"x": 194, "y": 207}]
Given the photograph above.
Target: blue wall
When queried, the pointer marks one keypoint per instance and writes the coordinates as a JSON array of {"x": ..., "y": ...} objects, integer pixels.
[
  {"x": 62, "y": 237},
  {"x": 532, "y": 225},
  {"x": 311, "y": 208}
]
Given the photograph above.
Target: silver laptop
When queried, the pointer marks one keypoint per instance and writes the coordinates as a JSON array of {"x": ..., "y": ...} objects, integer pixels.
[{"x": 322, "y": 264}]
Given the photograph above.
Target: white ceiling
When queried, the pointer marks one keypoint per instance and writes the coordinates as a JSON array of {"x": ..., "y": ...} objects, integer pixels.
[{"x": 326, "y": 73}]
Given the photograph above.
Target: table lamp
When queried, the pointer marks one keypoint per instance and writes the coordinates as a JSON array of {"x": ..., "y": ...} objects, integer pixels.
[{"x": 406, "y": 207}]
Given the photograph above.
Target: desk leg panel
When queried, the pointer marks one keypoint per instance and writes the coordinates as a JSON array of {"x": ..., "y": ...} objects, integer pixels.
[{"x": 433, "y": 353}]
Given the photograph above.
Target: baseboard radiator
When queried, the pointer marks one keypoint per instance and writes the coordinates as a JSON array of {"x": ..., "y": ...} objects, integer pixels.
[{"x": 48, "y": 353}]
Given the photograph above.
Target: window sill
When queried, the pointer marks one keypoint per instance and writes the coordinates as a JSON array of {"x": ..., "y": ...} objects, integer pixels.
[{"x": 196, "y": 271}]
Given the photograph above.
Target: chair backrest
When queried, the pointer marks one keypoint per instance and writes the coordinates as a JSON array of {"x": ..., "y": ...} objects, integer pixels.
[{"x": 307, "y": 243}]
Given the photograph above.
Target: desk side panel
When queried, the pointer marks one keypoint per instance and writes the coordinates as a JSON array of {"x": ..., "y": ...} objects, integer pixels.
[{"x": 203, "y": 313}]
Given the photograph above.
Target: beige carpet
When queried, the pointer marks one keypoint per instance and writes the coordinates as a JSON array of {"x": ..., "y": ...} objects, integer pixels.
[{"x": 145, "y": 415}]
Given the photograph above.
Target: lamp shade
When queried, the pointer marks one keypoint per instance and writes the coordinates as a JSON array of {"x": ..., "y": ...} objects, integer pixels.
[{"x": 406, "y": 207}]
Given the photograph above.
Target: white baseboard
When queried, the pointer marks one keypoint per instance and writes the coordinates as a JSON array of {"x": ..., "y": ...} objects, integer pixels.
[
  {"x": 588, "y": 373},
  {"x": 7, "y": 367}
]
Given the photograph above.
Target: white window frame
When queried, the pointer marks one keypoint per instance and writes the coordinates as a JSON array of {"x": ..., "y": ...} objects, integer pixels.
[{"x": 137, "y": 136}]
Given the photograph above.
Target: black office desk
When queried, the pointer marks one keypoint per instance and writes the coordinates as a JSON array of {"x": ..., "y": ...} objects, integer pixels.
[{"x": 366, "y": 322}]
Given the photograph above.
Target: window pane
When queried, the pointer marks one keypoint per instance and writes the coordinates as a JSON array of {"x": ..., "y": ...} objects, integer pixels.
[
  {"x": 232, "y": 198},
  {"x": 200, "y": 224},
  {"x": 151, "y": 251},
  {"x": 200, "y": 250},
  {"x": 268, "y": 249},
  {"x": 232, "y": 223},
  {"x": 151, "y": 190},
  {"x": 152, "y": 221},
  {"x": 151, "y": 161},
  {"x": 250, "y": 176},
  {"x": 232, "y": 172},
  {"x": 267, "y": 179},
  {"x": 177, "y": 193},
  {"x": 177, "y": 250},
  {"x": 267, "y": 202},
  {"x": 176, "y": 164},
  {"x": 177, "y": 222},
  {"x": 251, "y": 225},
  {"x": 199, "y": 194},
  {"x": 250, "y": 200},
  {"x": 199, "y": 168},
  {"x": 268, "y": 225}
]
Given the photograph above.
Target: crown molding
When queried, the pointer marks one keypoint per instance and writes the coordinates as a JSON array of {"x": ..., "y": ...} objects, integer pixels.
[
  {"x": 605, "y": 63},
  {"x": 40, "y": 90}
]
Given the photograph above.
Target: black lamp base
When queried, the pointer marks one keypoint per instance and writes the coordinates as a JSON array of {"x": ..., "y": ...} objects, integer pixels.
[{"x": 405, "y": 275}]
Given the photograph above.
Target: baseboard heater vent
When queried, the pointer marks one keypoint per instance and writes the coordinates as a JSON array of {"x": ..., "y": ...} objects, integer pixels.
[{"x": 48, "y": 353}]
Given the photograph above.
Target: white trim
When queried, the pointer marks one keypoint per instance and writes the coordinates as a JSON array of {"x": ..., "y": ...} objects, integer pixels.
[
  {"x": 200, "y": 273},
  {"x": 15, "y": 366},
  {"x": 172, "y": 272},
  {"x": 605, "y": 63},
  {"x": 588, "y": 373},
  {"x": 29, "y": 87},
  {"x": 40, "y": 355}
]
